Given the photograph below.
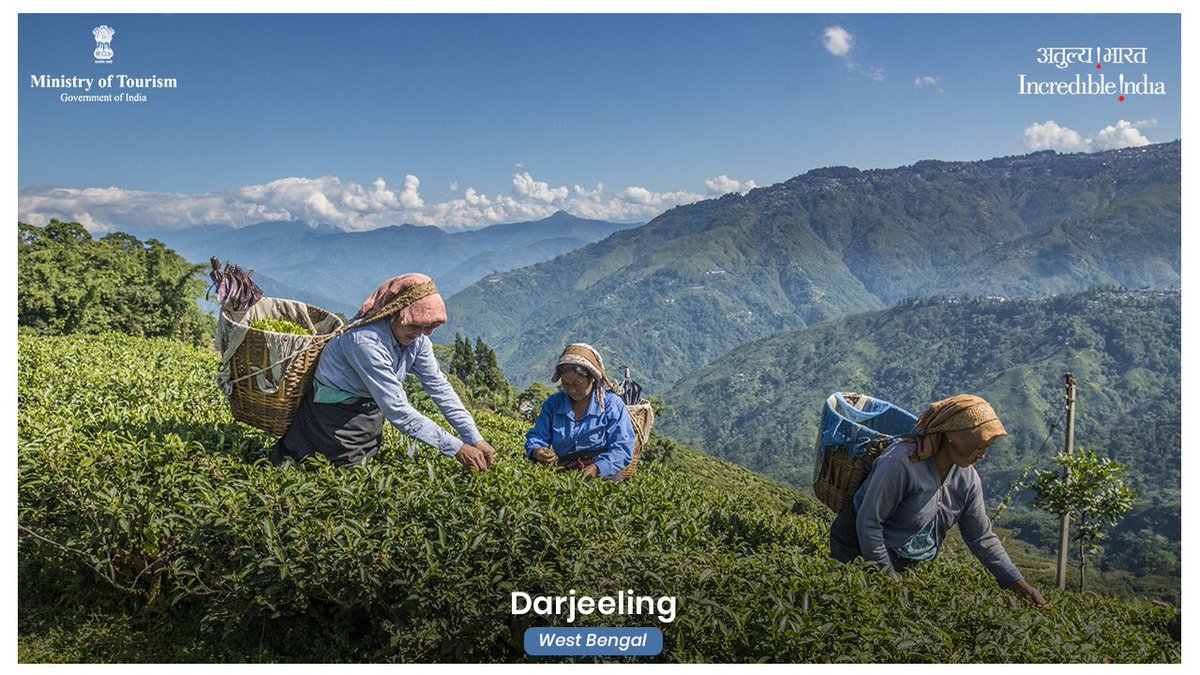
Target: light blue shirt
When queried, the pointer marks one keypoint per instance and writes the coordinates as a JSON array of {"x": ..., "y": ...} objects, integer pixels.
[
  {"x": 610, "y": 432},
  {"x": 906, "y": 507},
  {"x": 368, "y": 362}
]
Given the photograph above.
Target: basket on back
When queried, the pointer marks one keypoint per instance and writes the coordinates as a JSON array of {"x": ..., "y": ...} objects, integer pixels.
[
  {"x": 266, "y": 374},
  {"x": 855, "y": 429},
  {"x": 642, "y": 416}
]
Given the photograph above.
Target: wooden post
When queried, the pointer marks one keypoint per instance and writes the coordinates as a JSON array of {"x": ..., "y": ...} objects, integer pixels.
[{"x": 1064, "y": 535}]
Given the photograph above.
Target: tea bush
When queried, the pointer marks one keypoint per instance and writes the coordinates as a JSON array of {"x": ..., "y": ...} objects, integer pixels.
[{"x": 135, "y": 484}]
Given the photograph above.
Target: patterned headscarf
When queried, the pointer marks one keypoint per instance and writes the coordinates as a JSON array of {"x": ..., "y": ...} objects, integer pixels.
[
  {"x": 585, "y": 356},
  {"x": 427, "y": 309},
  {"x": 957, "y": 413}
]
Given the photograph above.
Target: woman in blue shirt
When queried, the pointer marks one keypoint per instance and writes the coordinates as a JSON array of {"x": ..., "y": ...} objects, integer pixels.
[{"x": 585, "y": 426}]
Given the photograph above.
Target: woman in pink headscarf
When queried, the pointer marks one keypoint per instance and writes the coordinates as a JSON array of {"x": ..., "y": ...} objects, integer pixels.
[{"x": 359, "y": 384}]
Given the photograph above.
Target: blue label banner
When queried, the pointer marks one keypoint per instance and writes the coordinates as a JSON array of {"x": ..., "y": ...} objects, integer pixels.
[{"x": 545, "y": 641}]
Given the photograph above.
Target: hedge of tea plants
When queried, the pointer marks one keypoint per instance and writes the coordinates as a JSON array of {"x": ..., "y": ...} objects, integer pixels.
[{"x": 137, "y": 487}]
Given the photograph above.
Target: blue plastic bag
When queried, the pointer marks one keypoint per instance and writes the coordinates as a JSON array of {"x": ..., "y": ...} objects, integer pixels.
[{"x": 854, "y": 429}]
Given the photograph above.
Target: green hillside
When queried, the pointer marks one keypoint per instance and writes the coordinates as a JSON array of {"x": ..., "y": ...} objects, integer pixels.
[
  {"x": 1113, "y": 246},
  {"x": 151, "y": 530},
  {"x": 759, "y": 405},
  {"x": 702, "y": 279}
]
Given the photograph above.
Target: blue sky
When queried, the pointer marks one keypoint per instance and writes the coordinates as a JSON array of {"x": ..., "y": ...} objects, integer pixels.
[{"x": 466, "y": 120}]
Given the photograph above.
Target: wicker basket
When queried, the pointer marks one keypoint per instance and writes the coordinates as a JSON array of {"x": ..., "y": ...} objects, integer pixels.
[
  {"x": 841, "y": 476},
  {"x": 642, "y": 416},
  {"x": 273, "y": 412},
  {"x": 854, "y": 430}
]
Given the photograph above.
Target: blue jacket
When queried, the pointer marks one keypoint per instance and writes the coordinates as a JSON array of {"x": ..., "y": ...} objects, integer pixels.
[{"x": 609, "y": 433}]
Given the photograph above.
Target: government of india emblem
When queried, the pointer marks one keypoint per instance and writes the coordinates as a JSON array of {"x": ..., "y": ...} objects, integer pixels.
[{"x": 104, "y": 36}]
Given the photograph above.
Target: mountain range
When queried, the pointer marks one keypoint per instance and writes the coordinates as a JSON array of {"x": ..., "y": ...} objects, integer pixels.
[
  {"x": 700, "y": 280},
  {"x": 337, "y": 270}
]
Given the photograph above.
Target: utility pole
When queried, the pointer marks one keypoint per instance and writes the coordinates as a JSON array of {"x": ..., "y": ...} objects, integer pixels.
[{"x": 1064, "y": 538}]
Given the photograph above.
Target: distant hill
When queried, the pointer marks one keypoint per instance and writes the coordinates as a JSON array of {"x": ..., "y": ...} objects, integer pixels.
[
  {"x": 337, "y": 270},
  {"x": 758, "y": 406},
  {"x": 701, "y": 279},
  {"x": 277, "y": 289}
]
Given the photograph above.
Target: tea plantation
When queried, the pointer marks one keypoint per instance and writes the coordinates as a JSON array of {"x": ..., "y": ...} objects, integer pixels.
[{"x": 151, "y": 530}]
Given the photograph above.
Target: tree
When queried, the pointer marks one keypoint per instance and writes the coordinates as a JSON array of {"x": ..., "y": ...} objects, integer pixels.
[
  {"x": 462, "y": 361},
  {"x": 477, "y": 368},
  {"x": 1093, "y": 493},
  {"x": 488, "y": 384},
  {"x": 487, "y": 369},
  {"x": 530, "y": 401},
  {"x": 69, "y": 282}
]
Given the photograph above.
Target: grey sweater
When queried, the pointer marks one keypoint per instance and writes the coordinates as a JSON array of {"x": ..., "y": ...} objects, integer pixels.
[{"x": 904, "y": 507}]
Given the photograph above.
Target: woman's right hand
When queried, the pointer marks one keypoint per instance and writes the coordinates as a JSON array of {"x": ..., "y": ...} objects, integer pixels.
[
  {"x": 474, "y": 457},
  {"x": 545, "y": 455},
  {"x": 1024, "y": 590}
]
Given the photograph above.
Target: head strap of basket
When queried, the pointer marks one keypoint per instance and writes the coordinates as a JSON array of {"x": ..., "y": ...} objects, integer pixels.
[
  {"x": 412, "y": 298},
  {"x": 957, "y": 413},
  {"x": 585, "y": 356}
]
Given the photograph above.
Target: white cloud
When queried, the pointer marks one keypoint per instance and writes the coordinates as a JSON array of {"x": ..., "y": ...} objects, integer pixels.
[
  {"x": 410, "y": 198},
  {"x": 533, "y": 199},
  {"x": 1146, "y": 124},
  {"x": 454, "y": 186},
  {"x": 927, "y": 80},
  {"x": 1119, "y": 135},
  {"x": 525, "y": 186},
  {"x": 838, "y": 41},
  {"x": 594, "y": 194},
  {"x": 871, "y": 72},
  {"x": 353, "y": 206},
  {"x": 319, "y": 204},
  {"x": 473, "y": 198},
  {"x": 637, "y": 195},
  {"x": 112, "y": 207},
  {"x": 1051, "y": 135},
  {"x": 91, "y": 224},
  {"x": 723, "y": 184}
]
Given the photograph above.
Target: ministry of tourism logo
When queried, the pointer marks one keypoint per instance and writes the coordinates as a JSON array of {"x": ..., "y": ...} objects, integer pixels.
[
  {"x": 118, "y": 88},
  {"x": 104, "y": 36}
]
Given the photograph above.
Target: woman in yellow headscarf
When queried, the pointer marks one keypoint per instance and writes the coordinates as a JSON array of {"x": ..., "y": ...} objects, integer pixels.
[
  {"x": 584, "y": 427},
  {"x": 920, "y": 487}
]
